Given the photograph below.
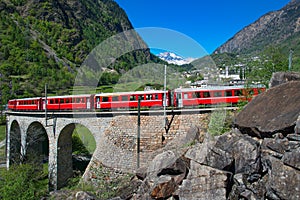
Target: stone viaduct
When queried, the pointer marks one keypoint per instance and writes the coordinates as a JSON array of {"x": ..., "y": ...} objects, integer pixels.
[{"x": 31, "y": 136}]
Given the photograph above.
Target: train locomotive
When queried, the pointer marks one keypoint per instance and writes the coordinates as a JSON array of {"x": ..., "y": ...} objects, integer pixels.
[{"x": 177, "y": 98}]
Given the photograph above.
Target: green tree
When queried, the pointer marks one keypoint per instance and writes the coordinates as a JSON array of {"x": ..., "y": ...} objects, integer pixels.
[{"x": 272, "y": 60}]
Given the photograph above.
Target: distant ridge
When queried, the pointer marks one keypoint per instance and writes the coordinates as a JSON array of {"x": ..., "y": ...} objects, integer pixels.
[{"x": 271, "y": 29}]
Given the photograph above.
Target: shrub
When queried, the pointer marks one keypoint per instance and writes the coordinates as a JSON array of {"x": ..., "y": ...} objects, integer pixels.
[{"x": 23, "y": 182}]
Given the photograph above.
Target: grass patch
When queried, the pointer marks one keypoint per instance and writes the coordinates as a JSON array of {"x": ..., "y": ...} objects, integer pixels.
[{"x": 2, "y": 132}]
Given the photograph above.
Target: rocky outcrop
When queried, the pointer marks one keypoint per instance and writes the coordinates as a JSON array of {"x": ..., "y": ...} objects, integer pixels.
[
  {"x": 274, "y": 111},
  {"x": 232, "y": 166},
  {"x": 257, "y": 160}
]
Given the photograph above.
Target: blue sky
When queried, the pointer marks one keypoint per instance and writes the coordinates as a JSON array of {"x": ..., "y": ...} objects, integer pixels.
[{"x": 208, "y": 23}]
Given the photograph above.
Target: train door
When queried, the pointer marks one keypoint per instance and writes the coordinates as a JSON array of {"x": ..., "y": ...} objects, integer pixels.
[
  {"x": 44, "y": 104},
  {"x": 165, "y": 99},
  {"x": 179, "y": 100},
  {"x": 88, "y": 103},
  {"x": 97, "y": 102}
]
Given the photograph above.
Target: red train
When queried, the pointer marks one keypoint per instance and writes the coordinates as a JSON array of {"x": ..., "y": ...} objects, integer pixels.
[{"x": 178, "y": 98}]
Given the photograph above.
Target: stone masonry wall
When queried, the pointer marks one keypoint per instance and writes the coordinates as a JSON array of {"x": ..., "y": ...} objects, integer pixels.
[{"x": 120, "y": 144}]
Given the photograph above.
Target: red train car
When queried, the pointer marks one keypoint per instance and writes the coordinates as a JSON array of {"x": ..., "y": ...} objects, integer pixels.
[
  {"x": 154, "y": 98},
  {"x": 74, "y": 102},
  {"x": 27, "y": 104},
  {"x": 182, "y": 97},
  {"x": 190, "y": 97}
]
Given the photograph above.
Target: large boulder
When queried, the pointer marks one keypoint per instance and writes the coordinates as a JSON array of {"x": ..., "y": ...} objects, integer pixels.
[
  {"x": 232, "y": 152},
  {"x": 279, "y": 78},
  {"x": 273, "y": 111},
  {"x": 164, "y": 174}
]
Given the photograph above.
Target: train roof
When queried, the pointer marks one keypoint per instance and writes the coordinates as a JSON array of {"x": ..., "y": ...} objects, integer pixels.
[
  {"x": 131, "y": 93},
  {"x": 50, "y": 97},
  {"x": 69, "y": 96},
  {"x": 217, "y": 88},
  {"x": 30, "y": 98}
]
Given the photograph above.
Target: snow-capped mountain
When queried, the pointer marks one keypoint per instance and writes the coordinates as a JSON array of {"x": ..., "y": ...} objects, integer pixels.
[{"x": 172, "y": 58}]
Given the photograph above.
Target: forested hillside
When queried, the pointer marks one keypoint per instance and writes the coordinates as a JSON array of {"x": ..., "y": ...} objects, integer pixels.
[{"x": 46, "y": 41}]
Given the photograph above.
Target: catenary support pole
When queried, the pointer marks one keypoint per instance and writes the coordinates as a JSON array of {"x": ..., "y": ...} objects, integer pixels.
[
  {"x": 138, "y": 133},
  {"x": 46, "y": 105}
]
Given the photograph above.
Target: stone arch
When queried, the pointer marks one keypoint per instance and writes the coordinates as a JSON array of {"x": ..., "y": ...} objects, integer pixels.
[
  {"x": 15, "y": 143},
  {"x": 64, "y": 154},
  {"x": 37, "y": 144}
]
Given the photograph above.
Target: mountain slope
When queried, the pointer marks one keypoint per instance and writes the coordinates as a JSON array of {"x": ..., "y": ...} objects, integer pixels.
[
  {"x": 46, "y": 41},
  {"x": 272, "y": 28}
]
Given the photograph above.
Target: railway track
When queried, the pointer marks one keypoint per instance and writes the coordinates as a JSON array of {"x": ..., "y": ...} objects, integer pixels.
[{"x": 112, "y": 113}]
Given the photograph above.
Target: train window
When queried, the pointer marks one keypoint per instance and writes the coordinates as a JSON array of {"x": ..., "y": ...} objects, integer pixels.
[
  {"x": 132, "y": 98},
  {"x": 228, "y": 93},
  {"x": 124, "y": 98},
  {"x": 67, "y": 100},
  {"x": 97, "y": 99},
  {"x": 115, "y": 98},
  {"x": 206, "y": 94},
  {"x": 196, "y": 94},
  {"x": 156, "y": 96},
  {"x": 51, "y": 101},
  {"x": 179, "y": 96},
  {"x": 56, "y": 101},
  {"x": 62, "y": 101},
  {"x": 104, "y": 99},
  {"x": 141, "y": 97},
  {"x": 148, "y": 96},
  {"x": 237, "y": 93},
  {"x": 217, "y": 94}
]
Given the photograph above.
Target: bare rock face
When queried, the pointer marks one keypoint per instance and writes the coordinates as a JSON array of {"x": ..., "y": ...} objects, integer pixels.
[
  {"x": 204, "y": 182},
  {"x": 273, "y": 111},
  {"x": 283, "y": 181},
  {"x": 279, "y": 78},
  {"x": 231, "y": 166}
]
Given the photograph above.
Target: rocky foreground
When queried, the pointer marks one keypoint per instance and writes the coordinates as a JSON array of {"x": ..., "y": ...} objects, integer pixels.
[{"x": 258, "y": 159}]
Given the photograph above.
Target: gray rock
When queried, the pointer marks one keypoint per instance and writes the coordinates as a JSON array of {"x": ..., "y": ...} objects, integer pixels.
[
  {"x": 294, "y": 137},
  {"x": 81, "y": 195},
  {"x": 297, "y": 127},
  {"x": 292, "y": 158},
  {"x": 273, "y": 111},
  {"x": 165, "y": 172},
  {"x": 244, "y": 150},
  {"x": 204, "y": 182},
  {"x": 163, "y": 188},
  {"x": 160, "y": 162},
  {"x": 207, "y": 154},
  {"x": 283, "y": 181},
  {"x": 279, "y": 78}
]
